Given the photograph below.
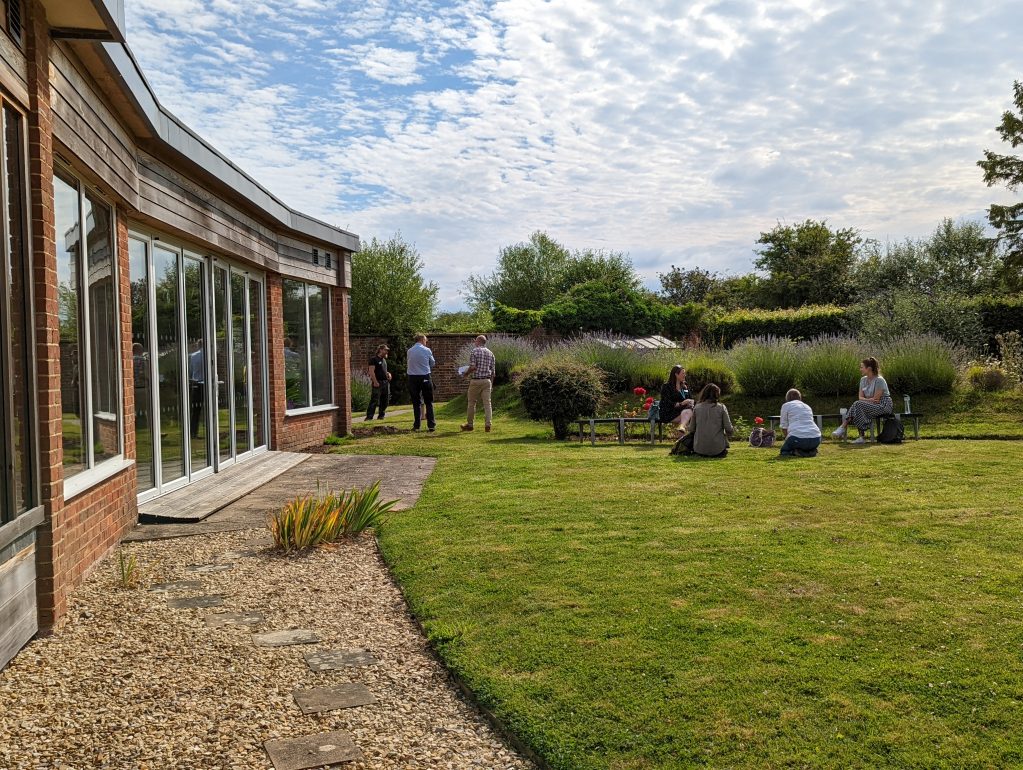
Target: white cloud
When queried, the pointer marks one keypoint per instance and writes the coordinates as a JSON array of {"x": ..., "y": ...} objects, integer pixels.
[{"x": 672, "y": 130}]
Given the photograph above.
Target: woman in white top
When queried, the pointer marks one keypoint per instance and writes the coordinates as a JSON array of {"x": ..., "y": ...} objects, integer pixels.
[
  {"x": 875, "y": 401},
  {"x": 802, "y": 436}
]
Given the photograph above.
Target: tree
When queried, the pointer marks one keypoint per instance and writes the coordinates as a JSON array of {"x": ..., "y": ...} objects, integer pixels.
[
  {"x": 807, "y": 264},
  {"x": 679, "y": 286},
  {"x": 389, "y": 295},
  {"x": 1008, "y": 170},
  {"x": 600, "y": 306},
  {"x": 611, "y": 267},
  {"x": 528, "y": 275}
]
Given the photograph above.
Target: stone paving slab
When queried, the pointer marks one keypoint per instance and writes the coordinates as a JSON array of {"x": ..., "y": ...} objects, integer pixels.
[
  {"x": 286, "y": 638},
  {"x": 401, "y": 478},
  {"x": 334, "y": 660},
  {"x": 313, "y": 700},
  {"x": 220, "y": 619},
  {"x": 311, "y": 751},
  {"x": 196, "y": 602},
  {"x": 208, "y": 569},
  {"x": 176, "y": 585}
]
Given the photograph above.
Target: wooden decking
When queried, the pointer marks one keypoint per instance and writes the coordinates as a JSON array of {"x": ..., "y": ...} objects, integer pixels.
[{"x": 204, "y": 498}]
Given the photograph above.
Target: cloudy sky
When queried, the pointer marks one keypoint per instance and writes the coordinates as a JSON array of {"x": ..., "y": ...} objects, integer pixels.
[{"x": 675, "y": 131}]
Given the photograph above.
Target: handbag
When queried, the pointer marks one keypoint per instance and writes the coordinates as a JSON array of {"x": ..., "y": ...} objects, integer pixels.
[
  {"x": 762, "y": 438},
  {"x": 684, "y": 446}
]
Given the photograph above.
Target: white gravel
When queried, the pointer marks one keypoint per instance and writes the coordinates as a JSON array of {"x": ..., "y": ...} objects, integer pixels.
[{"x": 129, "y": 683}]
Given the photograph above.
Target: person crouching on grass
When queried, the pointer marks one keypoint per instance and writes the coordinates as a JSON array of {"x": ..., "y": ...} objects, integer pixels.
[
  {"x": 481, "y": 371},
  {"x": 802, "y": 436}
]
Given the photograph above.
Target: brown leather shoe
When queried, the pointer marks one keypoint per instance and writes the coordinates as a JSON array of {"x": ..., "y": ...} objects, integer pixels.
[
  {"x": 487, "y": 429},
  {"x": 467, "y": 429}
]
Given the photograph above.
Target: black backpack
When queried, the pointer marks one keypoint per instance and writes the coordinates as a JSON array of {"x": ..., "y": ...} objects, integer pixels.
[{"x": 892, "y": 431}]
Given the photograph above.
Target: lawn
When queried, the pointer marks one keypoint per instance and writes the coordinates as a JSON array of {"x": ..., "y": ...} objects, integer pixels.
[{"x": 621, "y": 608}]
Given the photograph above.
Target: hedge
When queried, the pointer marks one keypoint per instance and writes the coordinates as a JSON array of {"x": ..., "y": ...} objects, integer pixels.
[
  {"x": 799, "y": 324},
  {"x": 1000, "y": 314},
  {"x": 510, "y": 320}
]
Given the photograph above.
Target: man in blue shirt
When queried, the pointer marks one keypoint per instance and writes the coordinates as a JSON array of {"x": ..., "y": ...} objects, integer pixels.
[{"x": 420, "y": 362}]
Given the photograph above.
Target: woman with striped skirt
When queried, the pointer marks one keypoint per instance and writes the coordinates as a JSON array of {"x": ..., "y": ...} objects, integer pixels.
[{"x": 875, "y": 401}]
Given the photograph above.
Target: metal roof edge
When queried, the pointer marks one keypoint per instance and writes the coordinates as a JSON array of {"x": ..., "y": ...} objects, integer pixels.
[{"x": 183, "y": 141}]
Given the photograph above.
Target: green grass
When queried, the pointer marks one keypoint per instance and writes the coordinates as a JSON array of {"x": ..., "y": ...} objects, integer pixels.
[{"x": 621, "y": 608}]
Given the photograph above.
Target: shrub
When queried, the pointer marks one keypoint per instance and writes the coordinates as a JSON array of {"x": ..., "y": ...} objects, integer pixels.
[
  {"x": 510, "y": 320},
  {"x": 919, "y": 364},
  {"x": 558, "y": 389},
  {"x": 310, "y": 521},
  {"x": 1000, "y": 314},
  {"x": 623, "y": 368},
  {"x": 829, "y": 366},
  {"x": 601, "y": 307},
  {"x": 510, "y": 353},
  {"x": 766, "y": 366},
  {"x": 988, "y": 377},
  {"x": 900, "y": 312},
  {"x": 685, "y": 322},
  {"x": 703, "y": 367},
  {"x": 362, "y": 391},
  {"x": 799, "y": 324}
]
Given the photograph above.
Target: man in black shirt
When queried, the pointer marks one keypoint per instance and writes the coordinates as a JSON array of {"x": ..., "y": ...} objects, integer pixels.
[{"x": 381, "y": 379}]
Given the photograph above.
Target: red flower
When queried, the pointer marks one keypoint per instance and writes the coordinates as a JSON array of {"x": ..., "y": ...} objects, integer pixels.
[
  {"x": 758, "y": 420},
  {"x": 648, "y": 405},
  {"x": 639, "y": 391}
]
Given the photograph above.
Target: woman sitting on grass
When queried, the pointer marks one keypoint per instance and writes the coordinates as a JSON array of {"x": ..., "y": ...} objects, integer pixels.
[
  {"x": 802, "y": 436},
  {"x": 711, "y": 426},
  {"x": 875, "y": 401},
  {"x": 676, "y": 407}
]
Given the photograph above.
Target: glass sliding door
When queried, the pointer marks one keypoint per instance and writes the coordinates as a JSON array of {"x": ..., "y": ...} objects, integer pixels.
[
  {"x": 141, "y": 364},
  {"x": 198, "y": 365},
  {"x": 240, "y": 360},
  {"x": 169, "y": 354},
  {"x": 222, "y": 342},
  {"x": 257, "y": 363}
]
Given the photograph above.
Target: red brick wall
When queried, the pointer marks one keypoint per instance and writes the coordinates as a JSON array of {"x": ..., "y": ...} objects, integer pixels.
[
  {"x": 76, "y": 534},
  {"x": 446, "y": 347}
]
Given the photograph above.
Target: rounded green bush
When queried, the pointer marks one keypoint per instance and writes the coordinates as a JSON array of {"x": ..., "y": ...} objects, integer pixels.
[
  {"x": 987, "y": 377},
  {"x": 766, "y": 366},
  {"x": 560, "y": 390},
  {"x": 829, "y": 366},
  {"x": 919, "y": 364}
]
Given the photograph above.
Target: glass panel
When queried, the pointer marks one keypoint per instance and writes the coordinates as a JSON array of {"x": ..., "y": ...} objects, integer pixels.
[
  {"x": 296, "y": 370},
  {"x": 20, "y": 312},
  {"x": 195, "y": 324},
  {"x": 168, "y": 356},
  {"x": 141, "y": 363},
  {"x": 103, "y": 327},
  {"x": 319, "y": 343},
  {"x": 67, "y": 223},
  {"x": 241, "y": 369},
  {"x": 258, "y": 367},
  {"x": 221, "y": 330}
]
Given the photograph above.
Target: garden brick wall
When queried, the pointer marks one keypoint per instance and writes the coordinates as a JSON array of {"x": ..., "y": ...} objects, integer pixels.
[{"x": 446, "y": 347}]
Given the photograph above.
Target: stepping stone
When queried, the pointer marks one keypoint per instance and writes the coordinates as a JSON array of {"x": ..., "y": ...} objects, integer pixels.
[
  {"x": 176, "y": 585},
  {"x": 221, "y": 619},
  {"x": 333, "y": 660},
  {"x": 196, "y": 602},
  {"x": 205, "y": 569},
  {"x": 342, "y": 696},
  {"x": 285, "y": 638},
  {"x": 312, "y": 751}
]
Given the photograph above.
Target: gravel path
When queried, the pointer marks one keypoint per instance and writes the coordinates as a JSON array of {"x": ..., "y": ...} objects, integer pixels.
[{"x": 129, "y": 683}]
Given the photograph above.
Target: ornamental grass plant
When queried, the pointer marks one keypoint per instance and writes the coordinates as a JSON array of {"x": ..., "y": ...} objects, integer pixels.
[
  {"x": 920, "y": 363},
  {"x": 830, "y": 366},
  {"x": 765, "y": 366},
  {"x": 309, "y": 521}
]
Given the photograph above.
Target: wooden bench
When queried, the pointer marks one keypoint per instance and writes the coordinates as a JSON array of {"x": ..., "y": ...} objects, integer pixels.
[{"x": 876, "y": 428}]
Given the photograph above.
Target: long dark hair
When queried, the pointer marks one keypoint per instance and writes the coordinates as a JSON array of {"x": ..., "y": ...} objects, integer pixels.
[
  {"x": 710, "y": 392},
  {"x": 871, "y": 363},
  {"x": 674, "y": 373}
]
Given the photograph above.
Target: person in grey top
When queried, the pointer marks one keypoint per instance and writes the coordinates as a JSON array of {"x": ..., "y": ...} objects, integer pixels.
[
  {"x": 710, "y": 424},
  {"x": 420, "y": 362},
  {"x": 875, "y": 401}
]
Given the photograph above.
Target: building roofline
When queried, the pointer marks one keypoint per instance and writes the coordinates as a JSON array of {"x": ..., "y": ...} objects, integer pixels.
[{"x": 180, "y": 140}]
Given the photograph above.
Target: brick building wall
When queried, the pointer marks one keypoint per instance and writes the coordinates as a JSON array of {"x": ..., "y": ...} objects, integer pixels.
[{"x": 446, "y": 349}]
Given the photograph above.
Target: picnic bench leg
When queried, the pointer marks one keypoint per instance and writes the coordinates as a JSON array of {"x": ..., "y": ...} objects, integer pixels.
[
  {"x": 819, "y": 418},
  {"x": 653, "y": 433},
  {"x": 621, "y": 431},
  {"x": 593, "y": 433},
  {"x": 916, "y": 428}
]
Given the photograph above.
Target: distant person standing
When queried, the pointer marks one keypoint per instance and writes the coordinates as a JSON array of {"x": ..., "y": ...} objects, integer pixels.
[
  {"x": 420, "y": 366},
  {"x": 481, "y": 371},
  {"x": 381, "y": 380}
]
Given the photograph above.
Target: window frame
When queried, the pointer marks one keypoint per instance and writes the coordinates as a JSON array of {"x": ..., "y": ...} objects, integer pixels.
[
  {"x": 94, "y": 472},
  {"x": 332, "y": 405},
  {"x": 15, "y": 523}
]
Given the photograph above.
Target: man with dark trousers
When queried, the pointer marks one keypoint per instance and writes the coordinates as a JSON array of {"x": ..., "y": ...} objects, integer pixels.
[
  {"x": 420, "y": 362},
  {"x": 381, "y": 380}
]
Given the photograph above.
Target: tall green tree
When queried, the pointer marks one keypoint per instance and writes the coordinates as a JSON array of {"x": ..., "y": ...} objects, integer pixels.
[
  {"x": 808, "y": 263},
  {"x": 1008, "y": 170},
  {"x": 390, "y": 297},
  {"x": 528, "y": 275},
  {"x": 611, "y": 267},
  {"x": 679, "y": 286}
]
